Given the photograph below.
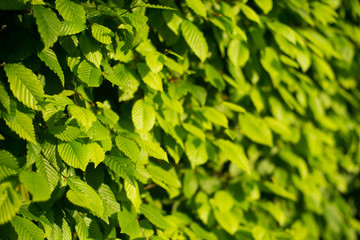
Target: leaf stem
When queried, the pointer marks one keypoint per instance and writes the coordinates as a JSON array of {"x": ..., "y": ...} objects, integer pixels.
[{"x": 141, "y": 230}]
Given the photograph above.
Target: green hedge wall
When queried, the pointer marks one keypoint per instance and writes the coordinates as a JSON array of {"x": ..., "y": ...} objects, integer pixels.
[{"x": 176, "y": 119}]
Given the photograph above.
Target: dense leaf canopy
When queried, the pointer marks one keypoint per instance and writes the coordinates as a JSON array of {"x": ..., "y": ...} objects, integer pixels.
[{"x": 170, "y": 119}]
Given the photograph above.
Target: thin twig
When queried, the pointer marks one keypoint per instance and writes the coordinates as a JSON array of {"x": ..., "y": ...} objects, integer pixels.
[
  {"x": 149, "y": 186},
  {"x": 75, "y": 100},
  {"x": 141, "y": 230}
]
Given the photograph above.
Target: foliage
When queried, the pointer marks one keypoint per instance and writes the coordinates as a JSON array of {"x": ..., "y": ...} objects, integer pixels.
[{"x": 179, "y": 119}]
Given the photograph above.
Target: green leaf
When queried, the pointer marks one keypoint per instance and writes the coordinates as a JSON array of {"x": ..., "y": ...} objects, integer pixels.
[
  {"x": 155, "y": 6},
  {"x": 24, "y": 84},
  {"x": 89, "y": 74},
  {"x": 9, "y": 202},
  {"x": 215, "y": 116},
  {"x": 255, "y": 129},
  {"x": 65, "y": 230},
  {"x": 284, "y": 30},
  {"x": 13, "y": 4},
  {"x": 122, "y": 167},
  {"x": 235, "y": 153},
  {"x": 8, "y": 165},
  {"x": 91, "y": 197},
  {"x": 127, "y": 220},
  {"x": 48, "y": 25},
  {"x": 271, "y": 63},
  {"x": 214, "y": 77},
  {"x": 74, "y": 154},
  {"x": 47, "y": 172},
  {"x": 275, "y": 211},
  {"x": 102, "y": 33},
  {"x": 233, "y": 107},
  {"x": 143, "y": 116},
  {"x": 26, "y": 229},
  {"x": 173, "y": 21},
  {"x": 162, "y": 176},
  {"x": 124, "y": 78},
  {"x": 223, "y": 201},
  {"x": 33, "y": 153},
  {"x": 128, "y": 147},
  {"x": 78, "y": 198},
  {"x": 278, "y": 190},
  {"x": 96, "y": 153},
  {"x": 132, "y": 193},
  {"x": 195, "y": 149},
  {"x": 48, "y": 149},
  {"x": 238, "y": 52},
  {"x": 173, "y": 65},
  {"x": 49, "y": 57},
  {"x": 257, "y": 100},
  {"x": 228, "y": 221},
  {"x": 194, "y": 130},
  {"x": 98, "y": 132},
  {"x": 151, "y": 79},
  {"x": 66, "y": 133},
  {"x": 153, "y": 149},
  {"x": 250, "y": 14},
  {"x": 88, "y": 228},
  {"x": 84, "y": 116},
  {"x": 278, "y": 126},
  {"x": 70, "y": 28},
  {"x": 36, "y": 185},
  {"x": 190, "y": 184},
  {"x": 195, "y": 39},
  {"x": 71, "y": 11},
  {"x": 91, "y": 50},
  {"x": 154, "y": 215},
  {"x": 110, "y": 203},
  {"x": 22, "y": 125},
  {"x": 5, "y": 99},
  {"x": 265, "y": 5},
  {"x": 155, "y": 62},
  {"x": 170, "y": 129},
  {"x": 197, "y": 6}
]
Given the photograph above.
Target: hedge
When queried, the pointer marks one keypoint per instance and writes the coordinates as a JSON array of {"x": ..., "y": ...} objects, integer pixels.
[{"x": 178, "y": 119}]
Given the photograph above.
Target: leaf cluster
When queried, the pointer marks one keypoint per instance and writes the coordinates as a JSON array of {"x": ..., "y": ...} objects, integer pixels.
[{"x": 179, "y": 119}]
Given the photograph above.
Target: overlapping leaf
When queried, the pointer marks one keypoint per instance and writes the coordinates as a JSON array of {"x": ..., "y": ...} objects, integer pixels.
[
  {"x": 36, "y": 185},
  {"x": 8, "y": 164},
  {"x": 22, "y": 125},
  {"x": 48, "y": 24},
  {"x": 49, "y": 57},
  {"x": 83, "y": 195},
  {"x": 24, "y": 84},
  {"x": 71, "y": 11},
  {"x": 89, "y": 74},
  {"x": 195, "y": 39},
  {"x": 102, "y": 33},
  {"x": 128, "y": 147},
  {"x": 10, "y": 202},
  {"x": 84, "y": 116},
  {"x": 74, "y": 154},
  {"x": 26, "y": 229}
]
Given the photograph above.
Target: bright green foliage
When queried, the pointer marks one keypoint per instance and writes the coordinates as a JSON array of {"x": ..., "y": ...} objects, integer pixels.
[
  {"x": 195, "y": 39},
  {"x": 26, "y": 229},
  {"x": 24, "y": 84},
  {"x": 36, "y": 185},
  {"x": 75, "y": 154},
  {"x": 143, "y": 116},
  {"x": 89, "y": 74},
  {"x": 48, "y": 25},
  {"x": 186, "y": 119}
]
